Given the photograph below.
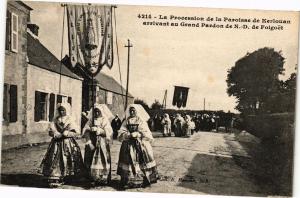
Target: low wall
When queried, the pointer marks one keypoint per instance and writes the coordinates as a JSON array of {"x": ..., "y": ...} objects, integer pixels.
[
  {"x": 12, "y": 141},
  {"x": 280, "y": 125},
  {"x": 277, "y": 134}
]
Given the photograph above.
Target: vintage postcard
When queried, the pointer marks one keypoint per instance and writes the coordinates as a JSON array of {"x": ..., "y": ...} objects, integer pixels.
[{"x": 155, "y": 99}]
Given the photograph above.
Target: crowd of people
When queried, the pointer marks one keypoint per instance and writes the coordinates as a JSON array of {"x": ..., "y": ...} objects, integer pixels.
[
  {"x": 182, "y": 126},
  {"x": 186, "y": 125},
  {"x": 63, "y": 161}
]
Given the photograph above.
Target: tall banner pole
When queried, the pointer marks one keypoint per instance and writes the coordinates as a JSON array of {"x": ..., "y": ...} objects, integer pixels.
[
  {"x": 62, "y": 44},
  {"x": 127, "y": 84},
  {"x": 93, "y": 100},
  {"x": 90, "y": 32}
]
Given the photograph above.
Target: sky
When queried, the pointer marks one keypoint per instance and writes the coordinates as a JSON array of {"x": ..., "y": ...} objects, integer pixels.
[{"x": 163, "y": 57}]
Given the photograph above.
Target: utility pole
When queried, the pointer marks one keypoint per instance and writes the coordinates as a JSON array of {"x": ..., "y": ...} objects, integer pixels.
[
  {"x": 164, "y": 103},
  {"x": 204, "y": 104},
  {"x": 129, "y": 45}
]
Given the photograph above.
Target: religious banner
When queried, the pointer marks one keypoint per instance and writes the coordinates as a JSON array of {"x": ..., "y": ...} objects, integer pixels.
[
  {"x": 180, "y": 96},
  {"x": 90, "y": 36}
]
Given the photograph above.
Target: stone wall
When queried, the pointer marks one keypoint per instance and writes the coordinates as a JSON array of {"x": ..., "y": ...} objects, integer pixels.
[
  {"x": 15, "y": 69},
  {"x": 45, "y": 81},
  {"x": 48, "y": 82}
]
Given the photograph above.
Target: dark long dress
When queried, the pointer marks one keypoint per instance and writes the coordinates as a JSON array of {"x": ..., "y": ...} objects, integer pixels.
[
  {"x": 63, "y": 157},
  {"x": 178, "y": 124}
]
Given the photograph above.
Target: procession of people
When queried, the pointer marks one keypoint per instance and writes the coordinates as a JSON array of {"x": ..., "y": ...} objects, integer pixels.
[
  {"x": 186, "y": 124},
  {"x": 63, "y": 161}
]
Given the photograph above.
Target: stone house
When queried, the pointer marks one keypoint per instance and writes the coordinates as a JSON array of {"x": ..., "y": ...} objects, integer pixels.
[
  {"x": 32, "y": 79},
  {"x": 35, "y": 81}
]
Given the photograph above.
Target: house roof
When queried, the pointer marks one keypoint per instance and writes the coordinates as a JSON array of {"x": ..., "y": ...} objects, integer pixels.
[
  {"x": 25, "y": 5},
  {"x": 104, "y": 81},
  {"x": 108, "y": 83},
  {"x": 40, "y": 56}
]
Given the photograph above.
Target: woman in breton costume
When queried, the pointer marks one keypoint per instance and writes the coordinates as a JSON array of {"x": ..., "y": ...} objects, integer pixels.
[
  {"x": 166, "y": 125},
  {"x": 178, "y": 124},
  {"x": 136, "y": 165},
  {"x": 188, "y": 126},
  {"x": 63, "y": 158},
  {"x": 97, "y": 134}
]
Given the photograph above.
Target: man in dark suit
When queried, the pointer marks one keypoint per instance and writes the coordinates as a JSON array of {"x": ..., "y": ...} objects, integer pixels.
[{"x": 116, "y": 125}]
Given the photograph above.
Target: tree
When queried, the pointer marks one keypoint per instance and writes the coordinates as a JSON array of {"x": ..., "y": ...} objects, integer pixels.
[
  {"x": 254, "y": 79},
  {"x": 284, "y": 99},
  {"x": 290, "y": 83},
  {"x": 289, "y": 93},
  {"x": 156, "y": 105},
  {"x": 143, "y": 103}
]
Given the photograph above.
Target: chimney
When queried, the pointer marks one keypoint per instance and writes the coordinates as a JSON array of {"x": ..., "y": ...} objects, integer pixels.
[{"x": 33, "y": 28}]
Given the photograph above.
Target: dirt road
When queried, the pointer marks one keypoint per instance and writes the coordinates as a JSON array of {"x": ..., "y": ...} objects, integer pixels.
[{"x": 206, "y": 163}]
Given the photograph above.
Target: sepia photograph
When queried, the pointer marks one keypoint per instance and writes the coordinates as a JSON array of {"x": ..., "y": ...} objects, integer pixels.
[{"x": 149, "y": 99}]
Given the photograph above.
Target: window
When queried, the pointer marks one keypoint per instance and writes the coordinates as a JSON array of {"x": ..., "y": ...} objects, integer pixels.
[
  {"x": 12, "y": 28},
  {"x": 10, "y": 103},
  {"x": 59, "y": 99},
  {"x": 5, "y": 102},
  {"x": 45, "y": 105},
  {"x": 8, "y": 30},
  {"x": 63, "y": 99},
  {"x": 70, "y": 100},
  {"x": 41, "y": 106},
  {"x": 13, "y": 103},
  {"x": 109, "y": 97},
  {"x": 14, "y": 32},
  {"x": 51, "y": 106}
]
